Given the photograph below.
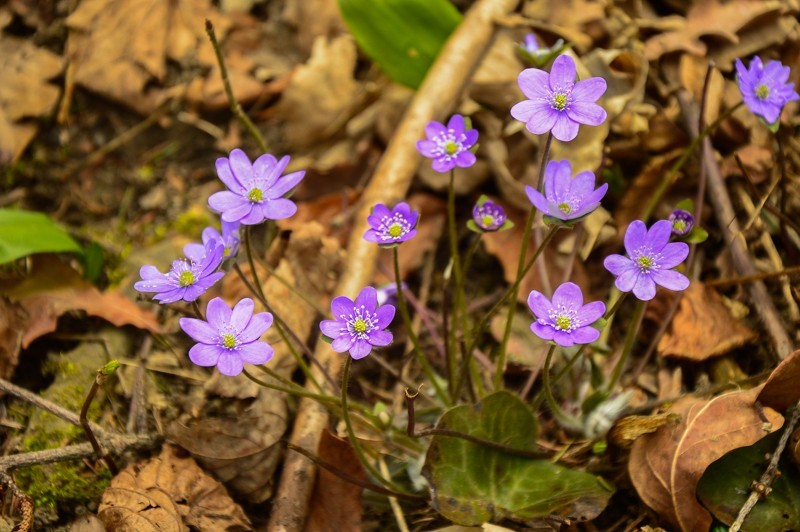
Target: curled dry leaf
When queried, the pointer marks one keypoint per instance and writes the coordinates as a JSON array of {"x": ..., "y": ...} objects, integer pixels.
[
  {"x": 703, "y": 327},
  {"x": 24, "y": 93},
  {"x": 171, "y": 493},
  {"x": 665, "y": 466},
  {"x": 628, "y": 429},
  {"x": 781, "y": 390}
]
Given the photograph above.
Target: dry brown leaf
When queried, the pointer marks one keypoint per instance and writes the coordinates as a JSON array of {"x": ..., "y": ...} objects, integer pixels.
[
  {"x": 781, "y": 390},
  {"x": 12, "y": 326},
  {"x": 757, "y": 160},
  {"x": 711, "y": 18},
  {"x": 666, "y": 465},
  {"x": 336, "y": 503},
  {"x": 326, "y": 85},
  {"x": 566, "y": 19},
  {"x": 169, "y": 493},
  {"x": 643, "y": 186},
  {"x": 703, "y": 327},
  {"x": 524, "y": 348},
  {"x": 313, "y": 18},
  {"x": 24, "y": 93},
  {"x": 53, "y": 288},
  {"x": 628, "y": 429}
]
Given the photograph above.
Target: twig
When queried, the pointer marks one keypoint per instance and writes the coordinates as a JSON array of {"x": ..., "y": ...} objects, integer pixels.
[
  {"x": 726, "y": 219},
  {"x": 137, "y": 420},
  {"x": 44, "y": 404},
  {"x": 235, "y": 107},
  {"x": 23, "y": 499},
  {"x": 762, "y": 487},
  {"x": 102, "y": 374},
  {"x": 768, "y": 206},
  {"x": 114, "y": 444},
  {"x": 789, "y": 272},
  {"x": 438, "y": 94},
  {"x": 701, "y": 178}
]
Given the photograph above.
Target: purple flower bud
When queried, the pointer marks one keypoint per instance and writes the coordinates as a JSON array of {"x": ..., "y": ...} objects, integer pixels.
[
  {"x": 566, "y": 320},
  {"x": 358, "y": 325},
  {"x": 488, "y": 216},
  {"x": 556, "y": 102},
  {"x": 682, "y": 222},
  {"x": 765, "y": 89},
  {"x": 230, "y": 338},
  {"x": 651, "y": 257},
  {"x": 449, "y": 146}
]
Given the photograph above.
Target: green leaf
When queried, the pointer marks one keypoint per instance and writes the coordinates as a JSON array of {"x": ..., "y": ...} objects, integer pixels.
[
  {"x": 403, "y": 37},
  {"x": 23, "y": 233},
  {"x": 686, "y": 204},
  {"x": 697, "y": 235},
  {"x": 473, "y": 484},
  {"x": 724, "y": 487}
]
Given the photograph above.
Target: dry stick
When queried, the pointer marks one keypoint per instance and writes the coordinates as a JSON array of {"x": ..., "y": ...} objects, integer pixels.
[
  {"x": 235, "y": 107},
  {"x": 790, "y": 271},
  {"x": 762, "y": 487},
  {"x": 21, "y": 498},
  {"x": 767, "y": 206},
  {"x": 99, "y": 380},
  {"x": 726, "y": 220},
  {"x": 44, "y": 404},
  {"x": 137, "y": 418},
  {"x": 114, "y": 444},
  {"x": 438, "y": 94}
]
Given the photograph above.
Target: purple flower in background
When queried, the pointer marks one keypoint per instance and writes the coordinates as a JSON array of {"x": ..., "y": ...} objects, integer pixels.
[
  {"x": 650, "y": 259},
  {"x": 566, "y": 198},
  {"x": 255, "y": 191},
  {"x": 765, "y": 90},
  {"x": 358, "y": 325},
  {"x": 229, "y": 239},
  {"x": 488, "y": 215},
  {"x": 682, "y": 222},
  {"x": 188, "y": 278},
  {"x": 449, "y": 146},
  {"x": 230, "y": 338},
  {"x": 530, "y": 44},
  {"x": 556, "y": 103},
  {"x": 566, "y": 321},
  {"x": 535, "y": 54},
  {"x": 388, "y": 293},
  {"x": 389, "y": 228}
]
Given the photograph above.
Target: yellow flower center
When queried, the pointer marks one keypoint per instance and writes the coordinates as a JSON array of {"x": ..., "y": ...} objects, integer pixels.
[
  {"x": 228, "y": 341},
  {"x": 186, "y": 278},
  {"x": 451, "y": 147},
  {"x": 360, "y": 326},
  {"x": 679, "y": 225},
  {"x": 565, "y": 208},
  {"x": 762, "y": 91},
  {"x": 395, "y": 230},
  {"x": 560, "y": 101},
  {"x": 255, "y": 195},
  {"x": 487, "y": 220},
  {"x": 644, "y": 262},
  {"x": 563, "y": 323}
]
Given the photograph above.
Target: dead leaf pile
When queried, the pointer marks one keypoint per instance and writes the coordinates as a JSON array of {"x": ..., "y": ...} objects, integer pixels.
[
  {"x": 169, "y": 492},
  {"x": 665, "y": 466}
]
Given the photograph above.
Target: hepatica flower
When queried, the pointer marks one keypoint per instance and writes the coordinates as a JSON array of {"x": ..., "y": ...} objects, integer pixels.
[
  {"x": 188, "y": 278},
  {"x": 391, "y": 227},
  {"x": 230, "y": 338},
  {"x": 229, "y": 238},
  {"x": 566, "y": 198},
  {"x": 765, "y": 89},
  {"x": 682, "y": 222},
  {"x": 358, "y": 325},
  {"x": 449, "y": 146},
  {"x": 535, "y": 54},
  {"x": 255, "y": 191},
  {"x": 556, "y": 102},
  {"x": 488, "y": 217},
  {"x": 650, "y": 258},
  {"x": 566, "y": 320}
]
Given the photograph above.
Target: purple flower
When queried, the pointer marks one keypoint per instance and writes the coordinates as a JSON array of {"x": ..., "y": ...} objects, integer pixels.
[
  {"x": 255, "y": 191},
  {"x": 556, "y": 103},
  {"x": 566, "y": 321},
  {"x": 449, "y": 146},
  {"x": 488, "y": 216},
  {"x": 566, "y": 198},
  {"x": 650, "y": 259},
  {"x": 359, "y": 325},
  {"x": 765, "y": 90},
  {"x": 188, "y": 278},
  {"x": 229, "y": 239},
  {"x": 388, "y": 293},
  {"x": 389, "y": 228},
  {"x": 682, "y": 222},
  {"x": 230, "y": 338}
]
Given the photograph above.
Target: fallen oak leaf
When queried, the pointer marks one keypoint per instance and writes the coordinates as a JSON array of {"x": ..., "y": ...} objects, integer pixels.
[
  {"x": 666, "y": 466},
  {"x": 781, "y": 390}
]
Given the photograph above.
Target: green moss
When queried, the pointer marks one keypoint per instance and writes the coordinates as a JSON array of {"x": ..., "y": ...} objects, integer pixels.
[
  {"x": 68, "y": 484},
  {"x": 192, "y": 222}
]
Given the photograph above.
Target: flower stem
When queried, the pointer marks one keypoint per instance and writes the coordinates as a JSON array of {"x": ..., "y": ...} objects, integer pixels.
[
  {"x": 673, "y": 171},
  {"x": 351, "y": 435},
  {"x": 99, "y": 380},
  {"x": 459, "y": 307},
  {"x": 557, "y": 411},
  {"x": 401, "y": 303},
  {"x": 291, "y": 390},
  {"x": 630, "y": 337},
  {"x": 471, "y": 253}
]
